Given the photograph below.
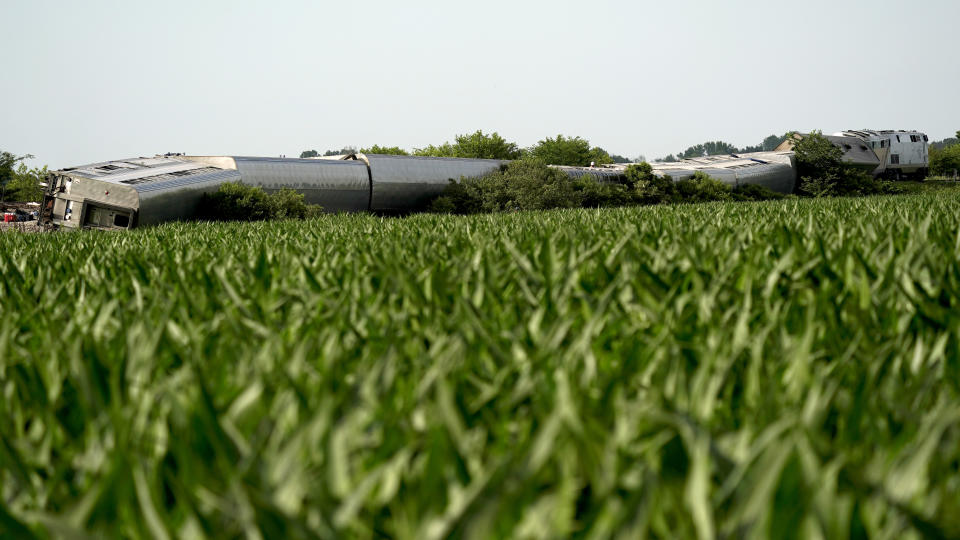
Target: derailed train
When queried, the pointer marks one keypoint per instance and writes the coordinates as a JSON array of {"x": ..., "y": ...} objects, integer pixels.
[{"x": 126, "y": 193}]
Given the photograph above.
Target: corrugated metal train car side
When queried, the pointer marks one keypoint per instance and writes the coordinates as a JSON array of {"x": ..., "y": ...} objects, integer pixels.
[
  {"x": 337, "y": 186},
  {"x": 404, "y": 183}
]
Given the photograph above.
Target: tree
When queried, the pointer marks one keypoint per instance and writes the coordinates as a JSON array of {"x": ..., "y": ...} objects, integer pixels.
[
  {"x": 25, "y": 185},
  {"x": 341, "y": 152},
  {"x": 710, "y": 148},
  {"x": 309, "y": 154},
  {"x": 615, "y": 158},
  {"x": 946, "y": 161},
  {"x": 473, "y": 145},
  {"x": 572, "y": 151},
  {"x": 481, "y": 146},
  {"x": 7, "y": 172},
  {"x": 940, "y": 145},
  {"x": 693, "y": 151},
  {"x": 390, "y": 150},
  {"x": 717, "y": 148},
  {"x": 599, "y": 156},
  {"x": 444, "y": 150}
]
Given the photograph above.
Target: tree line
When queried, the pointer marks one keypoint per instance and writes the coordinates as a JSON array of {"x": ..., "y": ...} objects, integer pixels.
[
  {"x": 945, "y": 157},
  {"x": 559, "y": 150},
  {"x": 17, "y": 181},
  {"x": 718, "y": 148}
]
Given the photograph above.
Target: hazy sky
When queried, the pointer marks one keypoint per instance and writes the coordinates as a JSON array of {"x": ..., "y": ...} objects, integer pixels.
[{"x": 85, "y": 81}]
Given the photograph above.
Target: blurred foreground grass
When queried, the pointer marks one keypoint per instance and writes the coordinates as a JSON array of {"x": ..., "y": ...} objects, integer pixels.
[{"x": 784, "y": 369}]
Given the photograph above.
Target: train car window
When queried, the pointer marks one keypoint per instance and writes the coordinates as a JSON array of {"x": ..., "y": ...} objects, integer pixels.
[
  {"x": 894, "y": 159},
  {"x": 925, "y": 139}
]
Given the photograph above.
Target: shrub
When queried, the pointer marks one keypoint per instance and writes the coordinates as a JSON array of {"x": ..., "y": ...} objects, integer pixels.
[
  {"x": 529, "y": 184},
  {"x": 234, "y": 201},
  {"x": 820, "y": 186},
  {"x": 596, "y": 194},
  {"x": 754, "y": 192},
  {"x": 287, "y": 204},
  {"x": 946, "y": 161},
  {"x": 701, "y": 187},
  {"x": 526, "y": 184},
  {"x": 25, "y": 184}
]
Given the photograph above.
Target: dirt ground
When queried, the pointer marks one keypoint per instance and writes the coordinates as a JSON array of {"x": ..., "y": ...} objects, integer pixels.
[{"x": 21, "y": 226}]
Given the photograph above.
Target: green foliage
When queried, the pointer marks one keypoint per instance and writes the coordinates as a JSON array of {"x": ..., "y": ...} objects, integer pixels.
[
  {"x": 639, "y": 173},
  {"x": 711, "y": 148},
  {"x": 7, "y": 171},
  {"x": 234, "y": 201},
  {"x": 346, "y": 150},
  {"x": 648, "y": 188},
  {"x": 313, "y": 153},
  {"x": 787, "y": 368},
  {"x": 482, "y": 146},
  {"x": 614, "y": 158},
  {"x": 529, "y": 184},
  {"x": 25, "y": 185},
  {"x": 701, "y": 187},
  {"x": 770, "y": 143},
  {"x": 946, "y": 161},
  {"x": 526, "y": 184},
  {"x": 572, "y": 151},
  {"x": 819, "y": 186},
  {"x": 939, "y": 145},
  {"x": 286, "y": 203},
  {"x": 389, "y": 150},
  {"x": 444, "y": 150},
  {"x": 754, "y": 192},
  {"x": 714, "y": 148},
  {"x": 823, "y": 172},
  {"x": 474, "y": 145},
  {"x": 592, "y": 193}
]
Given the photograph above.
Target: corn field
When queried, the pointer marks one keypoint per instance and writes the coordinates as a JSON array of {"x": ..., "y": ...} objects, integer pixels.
[{"x": 784, "y": 369}]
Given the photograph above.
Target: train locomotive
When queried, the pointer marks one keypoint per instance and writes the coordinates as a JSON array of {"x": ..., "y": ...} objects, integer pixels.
[{"x": 902, "y": 154}]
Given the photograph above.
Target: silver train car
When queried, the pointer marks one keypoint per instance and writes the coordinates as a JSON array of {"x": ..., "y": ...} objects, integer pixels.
[
  {"x": 775, "y": 171},
  {"x": 125, "y": 193}
]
